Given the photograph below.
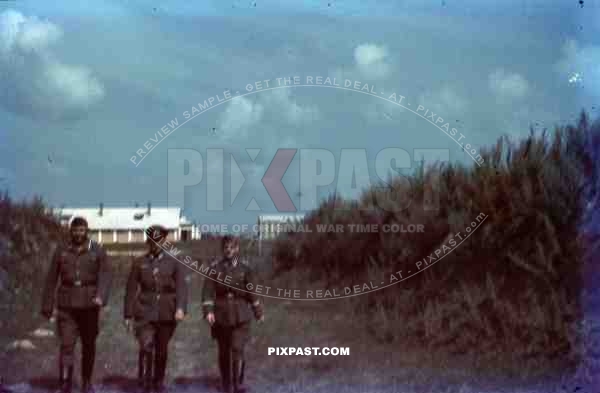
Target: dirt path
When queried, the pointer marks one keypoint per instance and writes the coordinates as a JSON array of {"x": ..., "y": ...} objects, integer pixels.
[{"x": 369, "y": 368}]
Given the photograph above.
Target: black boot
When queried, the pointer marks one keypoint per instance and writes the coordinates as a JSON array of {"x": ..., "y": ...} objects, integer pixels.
[
  {"x": 88, "y": 357},
  {"x": 238, "y": 376},
  {"x": 141, "y": 369},
  {"x": 86, "y": 379},
  {"x": 86, "y": 386},
  {"x": 66, "y": 379},
  {"x": 160, "y": 367},
  {"x": 159, "y": 387},
  {"x": 145, "y": 371},
  {"x": 148, "y": 377},
  {"x": 225, "y": 370}
]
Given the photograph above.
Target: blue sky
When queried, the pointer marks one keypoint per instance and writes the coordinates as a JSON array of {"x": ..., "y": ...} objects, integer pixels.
[{"x": 84, "y": 86}]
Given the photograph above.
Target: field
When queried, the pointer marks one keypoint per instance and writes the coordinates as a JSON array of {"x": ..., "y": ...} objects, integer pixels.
[{"x": 371, "y": 366}]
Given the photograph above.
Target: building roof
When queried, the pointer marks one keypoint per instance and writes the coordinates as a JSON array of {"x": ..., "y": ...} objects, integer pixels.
[
  {"x": 281, "y": 218},
  {"x": 125, "y": 218}
]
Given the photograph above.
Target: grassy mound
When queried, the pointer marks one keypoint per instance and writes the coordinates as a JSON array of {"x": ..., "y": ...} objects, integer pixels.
[
  {"x": 512, "y": 286},
  {"x": 28, "y": 236}
]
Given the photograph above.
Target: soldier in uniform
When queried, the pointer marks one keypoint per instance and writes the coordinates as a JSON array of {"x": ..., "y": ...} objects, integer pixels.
[
  {"x": 156, "y": 298},
  {"x": 84, "y": 273},
  {"x": 229, "y": 312}
]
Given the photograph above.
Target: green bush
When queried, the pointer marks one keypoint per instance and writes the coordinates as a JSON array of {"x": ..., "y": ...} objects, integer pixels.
[
  {"x": 28, "y": 236},
  {"x": 513, "y": 286}
]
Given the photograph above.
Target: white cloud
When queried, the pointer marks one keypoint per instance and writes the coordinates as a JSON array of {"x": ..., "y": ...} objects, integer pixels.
[
  {"x": 240, "y": 115},
  {"x": 508, "y": 85},
  {"x": 444, "y": 102},
  {"x": 368, "y": 54},
  {"x": 75, "y": 84},
  {"x": 370, "y": 60},
  {"x": 22, "y": 34},
  {"x": 370, "y": 63},
  {"x": 36, "y": 82},
  {"x": 243, "y": 114}
]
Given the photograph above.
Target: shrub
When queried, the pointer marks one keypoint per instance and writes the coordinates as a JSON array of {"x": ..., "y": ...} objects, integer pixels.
[
  {"x": 513, "y": 285},
  {"x": 28, "y": 236}
]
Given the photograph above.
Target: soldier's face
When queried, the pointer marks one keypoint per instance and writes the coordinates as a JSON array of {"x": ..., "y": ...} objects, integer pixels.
[
  {"x": 155, "y": 245},
  {"x": 231, "y": 249},
  {"x": 78, "y": 234}
]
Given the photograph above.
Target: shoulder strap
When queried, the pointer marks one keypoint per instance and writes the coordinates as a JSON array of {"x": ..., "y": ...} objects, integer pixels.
[{"x": 94, "y": 247}]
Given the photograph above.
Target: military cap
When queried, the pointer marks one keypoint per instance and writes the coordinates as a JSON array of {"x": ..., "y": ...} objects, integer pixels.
[
  {"x": 157, "y": 232},
  {"x": 78, "y": 222},
  {"x": 229, "y": 239}
]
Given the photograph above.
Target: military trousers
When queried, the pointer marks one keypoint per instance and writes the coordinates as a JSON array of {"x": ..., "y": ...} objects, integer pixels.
[
  {"x": 153, "y": 339},
  {"x": 231, "y": 341},
  {"x": 74, "y": 323}
]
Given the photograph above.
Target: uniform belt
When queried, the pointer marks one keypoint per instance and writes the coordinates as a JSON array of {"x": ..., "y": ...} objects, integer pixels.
[{"x": 79, "y": 283}]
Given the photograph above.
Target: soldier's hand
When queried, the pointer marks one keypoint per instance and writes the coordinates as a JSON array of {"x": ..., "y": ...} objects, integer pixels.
[
  {"x": 97, "y": 301},
  {"x": 210, "y": 317},
  {"x": 179, "y": 315},
  {"x": 128, "y": 324},
  {"x": 258, "y": 312}
]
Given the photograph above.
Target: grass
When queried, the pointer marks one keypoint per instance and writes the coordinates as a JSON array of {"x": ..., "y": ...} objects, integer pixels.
[
  {"x": 512, "y": 287},
  {"x": 27, "y": 238},
  {"x": 288, "y": 324}
]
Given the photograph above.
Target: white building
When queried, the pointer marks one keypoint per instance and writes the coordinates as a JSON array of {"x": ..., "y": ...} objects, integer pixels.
[
  {"x": 269, "y": 226},
  {"x": 129, "y": 224}
]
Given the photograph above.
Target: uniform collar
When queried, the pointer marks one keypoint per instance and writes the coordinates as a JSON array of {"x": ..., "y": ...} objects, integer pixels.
[
  {"x": 157, "y": 258},
  {"x": 86, "y": 246}
]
